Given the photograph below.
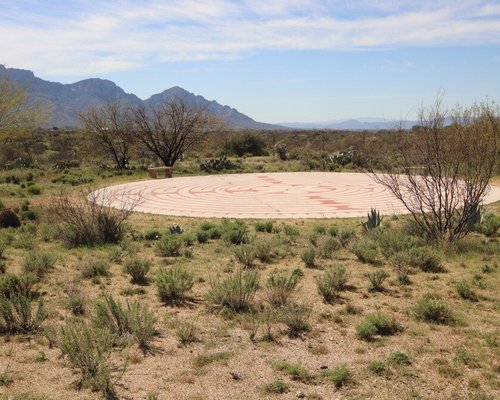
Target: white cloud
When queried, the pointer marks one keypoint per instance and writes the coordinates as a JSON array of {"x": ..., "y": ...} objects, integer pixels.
[{"x": 109, "y": 36}]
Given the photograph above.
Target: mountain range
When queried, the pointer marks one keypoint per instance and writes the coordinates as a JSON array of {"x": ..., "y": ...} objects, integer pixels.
[{"x": 66, "y": 101}]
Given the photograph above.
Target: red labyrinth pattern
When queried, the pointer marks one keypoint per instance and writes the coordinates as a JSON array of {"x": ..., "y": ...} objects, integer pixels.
[{"x": 262, "y": 195}]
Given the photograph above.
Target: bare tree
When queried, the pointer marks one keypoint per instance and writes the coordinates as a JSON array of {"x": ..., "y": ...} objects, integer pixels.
[
  {"x": 169, "y": 130},
  {"x": 443, "y": 172},
  {"x": 110, "y": 126}
]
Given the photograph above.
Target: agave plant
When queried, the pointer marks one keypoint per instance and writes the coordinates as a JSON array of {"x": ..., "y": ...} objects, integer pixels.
[{"x": 374, "y": 220}]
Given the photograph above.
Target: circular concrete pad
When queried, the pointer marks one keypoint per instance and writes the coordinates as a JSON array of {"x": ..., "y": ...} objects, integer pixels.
[{"x": 263, "y": 195}]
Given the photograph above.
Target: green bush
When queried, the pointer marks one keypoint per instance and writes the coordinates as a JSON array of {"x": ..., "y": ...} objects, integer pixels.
[
  {"x": 309, "y": 257},
  {"x": 296, "y": 317},
  {"x": 366, "y": 251},
  {"x": 328, "y": 246},
  {"x": 333, "y": 230},
  {"x": 88, "y": 349},
  {"x": 35, "y": 190},
  {"x": 186, "y": 332},
  {"x": 17, "y": 315},
  {"x": 245, "y": 254},
  {"x": 345, "y": 236},
  {"x": 76, "y": 299},
  {"x": 465, "y": 291},
  {"x": 340, "y": 376},
  {"x": 264, "y": 250},
  {"x": 291, "y": 230},
  {"x": 202, "y": 236},
  {"x": 3, "y": 266},
  {"x": 248, "y": 143},
  {"x": 280, "y": 287},
  {"x": 169, "y": 246},
  {"x": 377, "y": 279},
  {"x": 235, "y": 232},
  {"x": 234, "y": 292},
  {"x": 295, "y": 371},
  {"x": 92, "y": 268},
  {"x": 394, "y": 240},
  {"x": 264, "y": 226},
  {"x": 173, "y": 284},
  {"x": 424, "y": 258},
  {"x": 38, "y": 263},
  {"x": 133, "y": 320},
  {"x": 332, "y": 281},
  {"x": 398, "y": 357},
  {"x": 277, "y": 387},
  {"x": 138, "y": 269},
  {"x": 377, "y": 324},
  {"x": 489, "y": 225},
  {"x": 152, "y": 234},
  {"x": 12, "y": 285},
  {"x": 431, "y": 308},
  {"x": 377, "y": 367}
]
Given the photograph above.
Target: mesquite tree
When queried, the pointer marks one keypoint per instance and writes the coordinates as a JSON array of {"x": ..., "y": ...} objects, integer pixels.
[
  {"x": 443, "y": 170},
  {"x": 110, "y": 126},
  {"x": 170, "y": 129}
]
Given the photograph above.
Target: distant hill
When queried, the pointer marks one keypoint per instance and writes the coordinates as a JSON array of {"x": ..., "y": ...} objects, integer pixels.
[
  {"x": 358, "y": 124},
  {"x": 68, "y": 100}
]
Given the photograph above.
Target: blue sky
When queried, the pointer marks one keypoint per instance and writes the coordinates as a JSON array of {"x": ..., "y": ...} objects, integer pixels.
[{"x": 275, "y": 61}]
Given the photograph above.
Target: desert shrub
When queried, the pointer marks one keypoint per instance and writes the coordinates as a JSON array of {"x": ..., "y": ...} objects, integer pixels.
[
  {"x": 402, "y": 273},
  {"x": 245, "y": 254},
  {"x": 377, "y": 324},
  {"x": 465, "y": 291},
  {"x": 247, "y": 143},
  {"x": 340, "y": 376},
  {"x": 277, "y": 387},
  {"x": 12, "y": 285},
  {"x": 17, "y": 314},
  {"x": 206, "y": 359},
  {"x": 345, "y": 236},
  {"x": 296, "y": 317},
  {"x": 152, "y": 234},
  {"x": 333, "y": 230},
  {"x": 398, "y": 357},
  {"x": 215, "y": 233},
  {"x": 424, "y": 258},
  {"x": 38, "y": 263},
  {"x": 173, "y": 284},
  {"x": 76, "y": 299},
  {"x": 202, "y": 236},
  {"x": 93, "y": 268},
  {"x": 88, "y": 349},
  {"x": 309, "y": 257},
  {"x": 90, "y": 219},
  {"x": 328, "y": 246},
  {"x": 34, "y": 189},
  {"x": 295, "y": 371},
  {"x": 377, "y": 279},
  {"x": 134, "y": 320},
  {"x": 366, "y": 251},
  {"x": 3, "y": 246},
  {"x": 168, "y": 246},
  {"x": 138, "y": 269},
  {"x": 235, "y": 232},
  {"x": 234, "y": 292},
  {"x": 2, "y": 205},
  {"x": 280, "y": 287},
  {"x": 332, "y": 281},
  {"x": 394, "y": 240},
  {"x": 489, "y": 225},
  {"x": 431, "y": 308},
  {"x": 264, "y": 250},
  {"x": 186, "y": 332},
  {"x": 291, "y": 230},
  {"x": 377, "y": 367},
  {"x": 264, "y": 226},
  {"x": 218, "y": 164},
  {"x": 3, "y": 266},
  {"x": 9, "y": 219}
]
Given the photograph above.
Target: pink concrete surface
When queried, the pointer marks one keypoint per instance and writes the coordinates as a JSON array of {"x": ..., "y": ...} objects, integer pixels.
[{"x": 262, "y": 195}]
